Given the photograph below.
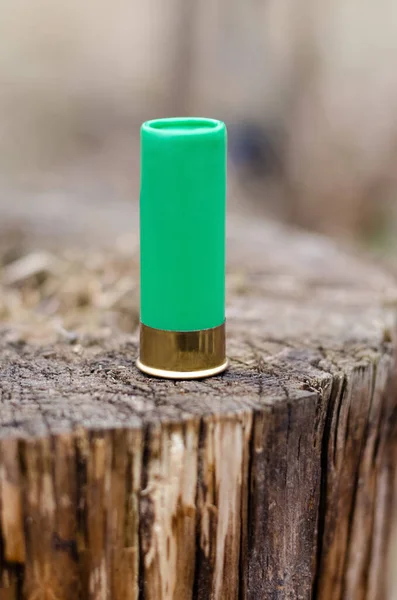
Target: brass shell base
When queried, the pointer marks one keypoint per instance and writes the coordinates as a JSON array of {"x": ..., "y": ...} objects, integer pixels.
[
  {"x": 182, "y": 354},
  {"x": 163, "y": 374}
]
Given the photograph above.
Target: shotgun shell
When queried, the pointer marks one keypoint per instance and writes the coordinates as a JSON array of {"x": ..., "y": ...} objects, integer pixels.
[{"x": 182, "y": 221}]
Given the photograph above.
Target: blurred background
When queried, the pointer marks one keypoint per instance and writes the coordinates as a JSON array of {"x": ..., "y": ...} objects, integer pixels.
[{"x": 308, "y": 91}]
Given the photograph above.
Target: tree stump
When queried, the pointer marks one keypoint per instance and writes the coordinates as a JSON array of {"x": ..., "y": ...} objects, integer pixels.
[{"x": 273, "y": 481}]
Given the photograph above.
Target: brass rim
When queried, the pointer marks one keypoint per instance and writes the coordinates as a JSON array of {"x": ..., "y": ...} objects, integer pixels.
[
  {"x": 162, "y": 373},
  {"x": 182, "y": 354}
]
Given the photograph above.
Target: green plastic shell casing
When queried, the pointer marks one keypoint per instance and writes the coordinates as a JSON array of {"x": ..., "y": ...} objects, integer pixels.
[{"x": 182, "y": 217}]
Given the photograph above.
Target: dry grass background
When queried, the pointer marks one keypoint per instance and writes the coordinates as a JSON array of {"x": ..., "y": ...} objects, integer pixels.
[{"x": 74, "y": 75}]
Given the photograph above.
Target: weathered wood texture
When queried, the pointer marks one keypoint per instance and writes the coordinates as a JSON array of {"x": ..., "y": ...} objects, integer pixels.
[{"x": 273, "y": 481}]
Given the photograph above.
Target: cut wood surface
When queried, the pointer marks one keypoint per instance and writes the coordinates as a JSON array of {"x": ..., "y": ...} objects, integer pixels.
[{"x": 273, "y": 481}]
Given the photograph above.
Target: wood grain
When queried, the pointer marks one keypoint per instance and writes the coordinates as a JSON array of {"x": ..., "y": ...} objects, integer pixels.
[{"x": 272, "y": 481}]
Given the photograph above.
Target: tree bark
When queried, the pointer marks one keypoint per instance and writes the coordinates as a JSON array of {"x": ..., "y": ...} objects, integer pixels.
[{"x": 272, "y": 481}]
